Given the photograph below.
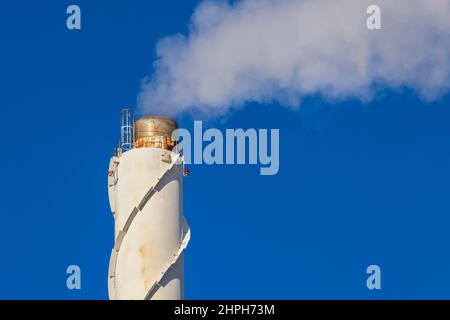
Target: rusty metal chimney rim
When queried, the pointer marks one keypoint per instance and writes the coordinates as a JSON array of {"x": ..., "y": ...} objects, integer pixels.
[
  {"x": 158, "y": 117},
  {"x": 155, "y": 131}
]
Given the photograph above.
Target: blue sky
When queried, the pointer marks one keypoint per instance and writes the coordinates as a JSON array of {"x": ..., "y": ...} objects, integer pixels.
[{"x": 358, "y": 184}]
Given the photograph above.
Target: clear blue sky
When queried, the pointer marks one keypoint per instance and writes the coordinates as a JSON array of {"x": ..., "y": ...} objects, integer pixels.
[{"x": 358, "y": 184}]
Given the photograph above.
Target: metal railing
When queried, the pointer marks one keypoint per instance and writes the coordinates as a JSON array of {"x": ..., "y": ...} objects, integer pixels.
[{"x": 127, "y": 129}]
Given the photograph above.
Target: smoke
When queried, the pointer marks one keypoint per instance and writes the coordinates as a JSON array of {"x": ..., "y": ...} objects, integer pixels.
[{"x": 284, "y": 50}]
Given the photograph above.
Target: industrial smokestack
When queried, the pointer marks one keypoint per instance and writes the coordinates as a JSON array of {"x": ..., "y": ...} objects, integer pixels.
[{"x": 146, "y": 198}]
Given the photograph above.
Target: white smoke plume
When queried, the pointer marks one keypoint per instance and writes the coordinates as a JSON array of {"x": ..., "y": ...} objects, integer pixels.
[{"x": 284, "y": 50}]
